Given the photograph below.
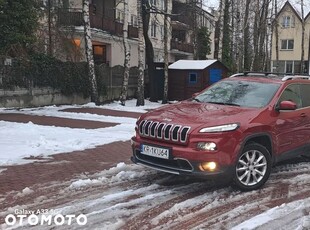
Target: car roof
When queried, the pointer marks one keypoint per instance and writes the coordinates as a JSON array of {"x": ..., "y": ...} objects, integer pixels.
[{"x": 267, "y": 77}]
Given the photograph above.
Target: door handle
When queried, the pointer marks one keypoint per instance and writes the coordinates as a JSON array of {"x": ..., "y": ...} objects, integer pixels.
[{"x": 303, "y": 115}]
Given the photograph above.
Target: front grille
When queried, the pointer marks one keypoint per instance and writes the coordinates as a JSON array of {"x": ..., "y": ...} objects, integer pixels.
[{"x": 164, "y": 131}]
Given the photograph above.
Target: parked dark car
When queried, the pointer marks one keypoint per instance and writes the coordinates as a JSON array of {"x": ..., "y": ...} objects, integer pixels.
[{"x": 238, "y": 128}]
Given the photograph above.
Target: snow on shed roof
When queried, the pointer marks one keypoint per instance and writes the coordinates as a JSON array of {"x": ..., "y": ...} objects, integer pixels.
[{"x": 191, "y": 64}]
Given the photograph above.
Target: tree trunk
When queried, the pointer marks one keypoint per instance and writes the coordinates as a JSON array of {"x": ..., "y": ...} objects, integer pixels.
[
  {"x": 276, "y": 30},
  {"x": 217, "y": 32},
  {"x": 140, "y": 91},
  {"x": 165, "y": 97},
  {"x": 49, "y": 20},
  {"x": 149, "y": 51},
  {"x": 89, "y": 53},
  {"x": 302, "y": 59},
  {"x": 124, "y": 91},
  {"x": 226, "y": 47},
  {"x": 246, "y": 38}
]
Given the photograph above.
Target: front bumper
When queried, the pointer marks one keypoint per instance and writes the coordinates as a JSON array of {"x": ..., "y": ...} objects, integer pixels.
[{"x": 178, "y": 166}]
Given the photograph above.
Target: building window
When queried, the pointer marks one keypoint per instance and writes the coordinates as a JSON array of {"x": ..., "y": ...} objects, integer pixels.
[
  {"x": 119, "y": 15},
  {"x": 134, "y": 20},
  {"x": 289, "y": 67},
  {"x": 192, "y": 78},
  {"x": 288, "y": 21},
  {"x": 287, "y": 44},
  {"x": 100, "y": 54},
  {"x": 153, "y": 29}
]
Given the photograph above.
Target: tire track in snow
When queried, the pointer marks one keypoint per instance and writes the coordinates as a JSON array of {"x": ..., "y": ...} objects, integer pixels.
[
  {"x": 132, "y": 197},
  {"x": 232, "y": 208}
]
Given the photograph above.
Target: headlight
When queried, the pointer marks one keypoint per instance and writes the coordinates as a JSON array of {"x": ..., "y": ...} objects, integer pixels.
[
  {"x": 220, "y": 128},
  {"x": 206, "y": 146}
]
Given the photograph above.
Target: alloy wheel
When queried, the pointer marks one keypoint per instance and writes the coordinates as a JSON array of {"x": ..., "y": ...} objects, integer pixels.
[{"x": 251, "y": 167}]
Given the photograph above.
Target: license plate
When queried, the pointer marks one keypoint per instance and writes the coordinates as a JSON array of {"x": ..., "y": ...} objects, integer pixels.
[{"x": 155, "y": 151}]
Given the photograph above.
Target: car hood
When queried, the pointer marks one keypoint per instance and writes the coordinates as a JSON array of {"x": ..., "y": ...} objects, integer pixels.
[{"x": 196, "y": 114}]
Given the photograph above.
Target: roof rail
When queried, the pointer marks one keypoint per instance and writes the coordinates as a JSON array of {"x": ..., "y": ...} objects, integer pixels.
[
  {"x": 282, "y": 76},
  {"x": 262, "y": 74},
  {"x": 292, "y": 77}
]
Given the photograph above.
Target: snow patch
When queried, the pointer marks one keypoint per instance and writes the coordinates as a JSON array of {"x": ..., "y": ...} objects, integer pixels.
[
  {"x": 26, "y": 191},
  {"x": 283, "y": 215}
]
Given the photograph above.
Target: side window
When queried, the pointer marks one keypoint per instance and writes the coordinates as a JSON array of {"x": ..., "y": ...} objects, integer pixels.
[
  {"x": 292, "y": 93},
  {"x": 305, "y": 95}
]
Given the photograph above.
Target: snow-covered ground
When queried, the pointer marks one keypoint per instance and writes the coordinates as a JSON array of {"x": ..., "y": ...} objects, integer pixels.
[
  {"x": 20, "y": 140},
  {"x": 133, "y": 197}
]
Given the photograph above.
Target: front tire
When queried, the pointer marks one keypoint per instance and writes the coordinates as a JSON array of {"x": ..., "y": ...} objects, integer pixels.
[{"x": 252, "y": 168}]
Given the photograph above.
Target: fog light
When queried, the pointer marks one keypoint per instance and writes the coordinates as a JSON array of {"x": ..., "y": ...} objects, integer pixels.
[
  {"x": 208, "y": 166},
  {"x": 206, "y": 146}
]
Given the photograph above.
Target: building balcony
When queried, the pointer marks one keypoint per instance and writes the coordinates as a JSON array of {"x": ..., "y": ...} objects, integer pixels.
[
  {"x": 75, "y": 18},
  {"x": 184, "y": 47}
]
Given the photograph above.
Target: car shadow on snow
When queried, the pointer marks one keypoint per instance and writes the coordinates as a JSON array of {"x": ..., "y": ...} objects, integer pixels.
[{"x": 170, "y": 180}]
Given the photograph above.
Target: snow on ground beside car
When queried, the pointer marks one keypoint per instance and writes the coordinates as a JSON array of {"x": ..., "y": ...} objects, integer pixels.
[
  {"x": 292, "y": 216},
  {"x": 25, "y": 140},
  {"x": 134, "y": 196}
]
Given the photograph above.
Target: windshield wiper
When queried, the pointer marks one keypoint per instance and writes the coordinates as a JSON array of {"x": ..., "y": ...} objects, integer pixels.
[
  {"x": 196, "y": 99},
  {"x": 223, "y": 103}
]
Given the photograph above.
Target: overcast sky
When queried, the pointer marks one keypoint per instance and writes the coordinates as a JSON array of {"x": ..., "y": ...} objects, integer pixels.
[
  {"x": 211, "y": 3},
  {"x": 296, "y": 3}
]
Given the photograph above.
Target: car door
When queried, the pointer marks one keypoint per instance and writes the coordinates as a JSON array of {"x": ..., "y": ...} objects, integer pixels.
[
  {"x": 290, "y": 127},
  {"x": 305, "y": 95}
]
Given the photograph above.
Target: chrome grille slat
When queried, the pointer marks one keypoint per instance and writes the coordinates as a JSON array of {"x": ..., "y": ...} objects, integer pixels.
[
  {"x": 153, "y": 129},
  {"x": 175, "y": 133},
  {"x": 184, "y": 133},
  {"x": 160, "y": 130},
  {"x": 146, "y": 128},
  {"x": 141, "y": 127},
  {"x": 166, "y": 131}
]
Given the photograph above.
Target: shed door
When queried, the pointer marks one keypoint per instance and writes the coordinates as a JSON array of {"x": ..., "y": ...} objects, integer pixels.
[{"x": 215, "y": 75}]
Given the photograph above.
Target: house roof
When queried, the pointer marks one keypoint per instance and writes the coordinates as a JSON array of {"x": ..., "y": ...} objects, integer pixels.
[
  {"x": 296, "y": 7},
  {"x": 192, "y": 64},
  {"x": 288, "y": 4}
]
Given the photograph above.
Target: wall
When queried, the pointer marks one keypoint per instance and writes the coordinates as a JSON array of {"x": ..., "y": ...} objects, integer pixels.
[
  {"x": 35, "y": 96},
  {"x": 21, "y": 97}
]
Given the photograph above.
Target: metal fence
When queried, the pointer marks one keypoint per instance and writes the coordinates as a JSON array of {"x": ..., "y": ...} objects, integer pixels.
[{"x": 14, "y": 76}]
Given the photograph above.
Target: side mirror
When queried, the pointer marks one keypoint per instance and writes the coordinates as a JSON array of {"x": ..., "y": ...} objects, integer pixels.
[{"x": 286, "y": 105}]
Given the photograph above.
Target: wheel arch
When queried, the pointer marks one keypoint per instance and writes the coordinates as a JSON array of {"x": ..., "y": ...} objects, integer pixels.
[{"x": 264, "y": 139}]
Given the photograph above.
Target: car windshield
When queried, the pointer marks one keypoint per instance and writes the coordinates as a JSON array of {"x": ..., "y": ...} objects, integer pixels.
[{"x": 239, "y": 93}]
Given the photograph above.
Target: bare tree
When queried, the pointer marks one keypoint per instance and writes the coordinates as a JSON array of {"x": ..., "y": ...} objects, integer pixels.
[
  {"x": 166, "y": 19},
  {"x": 246, "y": 38},
  {"x": 217, "y": 32},
  {"x": 124, "y": 91},
  {"x": 140, "y": 91},
  {"x": 89, "y": 52},
  {"x": 276, "y": 30},
  {"x": 260, "y": 34},
  {"x": 226, "y": 42},
  {"x": 146, "y": 10},
  {"x": 302, "y": 59}
]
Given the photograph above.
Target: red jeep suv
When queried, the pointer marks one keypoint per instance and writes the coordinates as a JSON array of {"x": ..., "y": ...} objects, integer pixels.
[{"x": 239, "y": 127}]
